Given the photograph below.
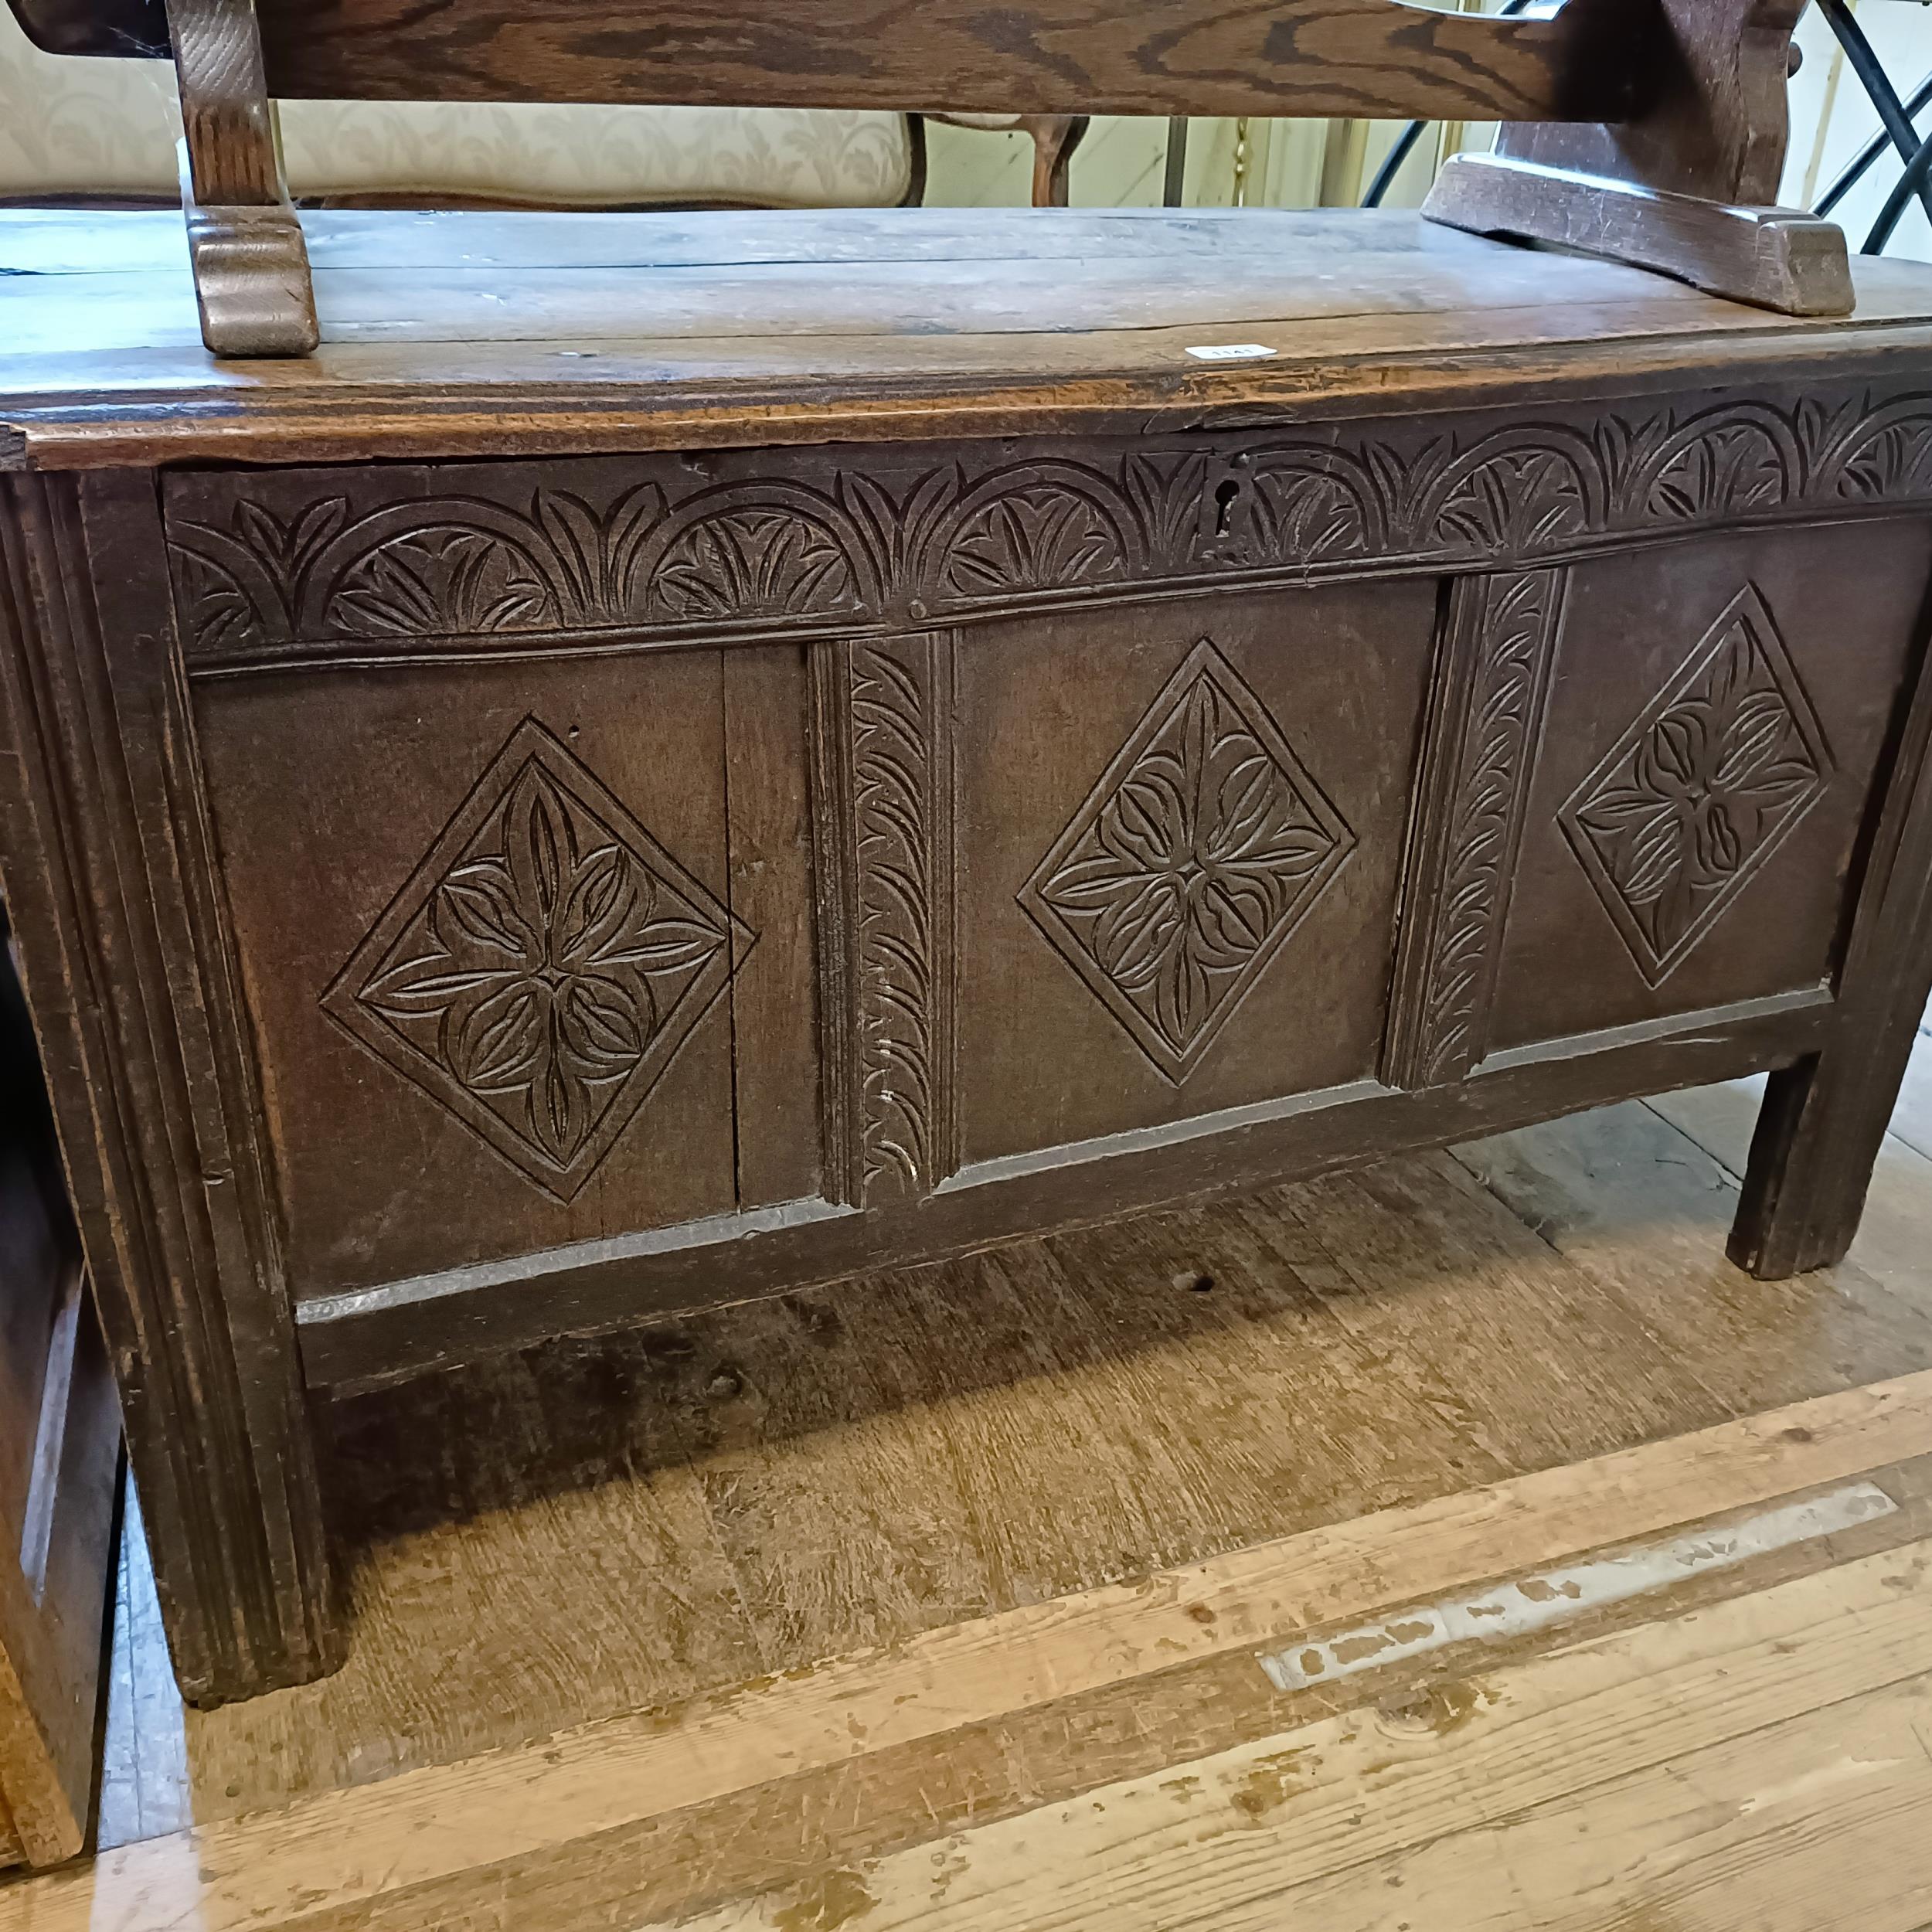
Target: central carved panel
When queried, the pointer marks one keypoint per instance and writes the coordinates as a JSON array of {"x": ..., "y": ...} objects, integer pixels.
[
  {"x": 1190, "y": 862},
  {"x": 1701, "y": 790},
  {"x": 542, "y": 965}
]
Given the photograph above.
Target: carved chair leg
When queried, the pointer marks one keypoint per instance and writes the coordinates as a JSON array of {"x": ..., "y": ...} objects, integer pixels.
[
  {"x": 1054, "y": 137},
  {"x": 250, "y": 264}
]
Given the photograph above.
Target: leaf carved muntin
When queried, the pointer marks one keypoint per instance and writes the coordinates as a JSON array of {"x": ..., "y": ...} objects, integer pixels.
[
  {"x": 1700, "y": 790},
  {"x": 1478, "y": 765},
  {"x": 1185, "y": 870},
  {"x": 542, "y": 966},
  {"x": 879, "y": 537},
  {"x": 901, "y": 722}
]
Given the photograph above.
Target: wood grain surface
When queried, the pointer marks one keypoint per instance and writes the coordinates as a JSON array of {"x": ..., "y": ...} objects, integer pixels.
[
  {"x": 784, "y": 1467},
  {"x": 1050, "y": 57},
  {"x": 989, "y": 1432},
  {"x": 1532, "y": 1794},
  {"x": 396, "y": 1843},
  {"x": 581, "y": 332}
]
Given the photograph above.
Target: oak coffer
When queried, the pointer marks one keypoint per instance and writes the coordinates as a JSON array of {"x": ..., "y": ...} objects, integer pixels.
[{"x": 515, "y": 828}]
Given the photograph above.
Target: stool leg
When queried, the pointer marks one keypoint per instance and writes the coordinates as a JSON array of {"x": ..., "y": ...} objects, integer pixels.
[{"x": 250, "y": 264}]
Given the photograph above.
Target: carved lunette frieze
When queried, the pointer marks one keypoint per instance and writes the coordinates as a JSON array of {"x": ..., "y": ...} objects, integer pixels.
[
  {"x": 1490, "y": 689},
  {"x": 308, "y": 564},
  {"x": 882, "y": 814}
]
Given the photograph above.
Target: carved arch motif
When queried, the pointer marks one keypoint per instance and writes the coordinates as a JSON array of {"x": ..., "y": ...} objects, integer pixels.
[
  {"x": 757, "y": 550},
  {"x": 1040, "y": 526},
  {"x": 1307, "y": 501},
  {"x": 1883, "y": 455},
  {"x": 1520, "y": 491},
  {"x": 1736, "y": 460}
]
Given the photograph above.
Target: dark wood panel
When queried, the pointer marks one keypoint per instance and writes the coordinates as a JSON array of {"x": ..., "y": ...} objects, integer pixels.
[
  {"x": 1051, "y": 57},
  {"x": 1181, "y": 826},
  {"x": 1717, "y": 717},
  {"x": 774, "y": 1038},
  {"x": 482, "y": 918}
]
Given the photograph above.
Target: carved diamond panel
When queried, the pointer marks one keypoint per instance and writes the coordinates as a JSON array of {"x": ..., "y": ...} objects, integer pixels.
[
  {"x": 1701, "y": 790},
  {"x": 1190, "y": 864},
  {"x": 542, "y": 966}
]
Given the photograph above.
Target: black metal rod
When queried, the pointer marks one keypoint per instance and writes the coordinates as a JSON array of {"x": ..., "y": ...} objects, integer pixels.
[
  {"x": 1391, "y": 163},
  {"x": 1174, "y": 177},
  {"x": 1859, "y": 165},
  {"x": 1878, "y": 86},
  {"x": 1912, "y": 181}
]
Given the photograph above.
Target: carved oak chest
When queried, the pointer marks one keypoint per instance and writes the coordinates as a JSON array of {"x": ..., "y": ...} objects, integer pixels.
[{"x": 505, "y": 845}]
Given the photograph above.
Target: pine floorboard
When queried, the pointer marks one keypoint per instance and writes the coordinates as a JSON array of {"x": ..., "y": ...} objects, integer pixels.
[{"x": 561, "y": 1540}]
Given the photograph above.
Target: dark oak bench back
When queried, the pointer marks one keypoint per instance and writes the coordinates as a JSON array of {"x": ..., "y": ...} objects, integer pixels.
[{"x": 1316, "y": 57}]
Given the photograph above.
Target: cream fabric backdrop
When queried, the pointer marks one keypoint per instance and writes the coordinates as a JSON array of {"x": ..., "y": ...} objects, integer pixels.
[{"x": 109, "y": 126}]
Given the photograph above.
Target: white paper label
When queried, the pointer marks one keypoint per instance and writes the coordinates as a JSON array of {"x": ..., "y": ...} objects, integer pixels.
[{"x": 1233, "y": 352}]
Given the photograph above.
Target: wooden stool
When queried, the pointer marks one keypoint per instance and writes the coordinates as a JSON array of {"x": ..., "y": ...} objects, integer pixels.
[{"x": 673, "y": 758}]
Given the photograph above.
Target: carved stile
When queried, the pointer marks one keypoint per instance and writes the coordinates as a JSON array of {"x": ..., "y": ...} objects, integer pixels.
[
  {"x": 1491, "y": 681},
  {"x": 158, "y": 1105},
  {"x": 883, "y": 814}
]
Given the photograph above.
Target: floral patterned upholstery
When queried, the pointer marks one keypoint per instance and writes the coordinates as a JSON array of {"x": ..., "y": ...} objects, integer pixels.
[{"x": 90, "y": 127}]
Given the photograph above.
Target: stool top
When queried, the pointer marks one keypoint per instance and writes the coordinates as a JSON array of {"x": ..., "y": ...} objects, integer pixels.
[{"x": 468, "y": 333}]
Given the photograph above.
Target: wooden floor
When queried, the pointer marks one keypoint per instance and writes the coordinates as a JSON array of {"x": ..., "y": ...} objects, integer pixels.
[{"x": 942, "y": 1600}]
